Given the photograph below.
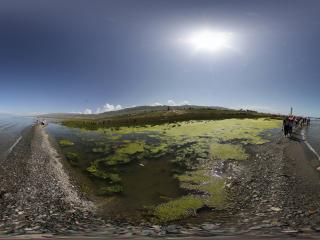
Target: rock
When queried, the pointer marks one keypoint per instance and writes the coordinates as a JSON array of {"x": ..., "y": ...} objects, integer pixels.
[
  {"x": 275, "y": 209},
  {"x": 172, "y": 229},
  {"x": 289, "y": 230},
  {"x": 306, "y": 229},
  {"x": 127, "y": 235},
  {"x": 209, "y": 226},
  {"x": 255, "y": 228},
  {"x": 316, "y": 228},
  {"x": 147, "y": 232},
  {"x": 156, "y": 228}
]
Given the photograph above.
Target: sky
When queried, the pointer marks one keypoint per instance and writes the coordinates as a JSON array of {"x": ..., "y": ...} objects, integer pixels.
[{"x": 94, "y": 56}]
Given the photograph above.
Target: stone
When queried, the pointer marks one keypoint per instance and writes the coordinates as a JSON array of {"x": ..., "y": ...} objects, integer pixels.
[
  {"x": 172, "y": 229},
  {"x": 275, "y": 209},
  {"x": 208, "y": 226},
  {"x": 147, "y": 232},
  {"x": 255, "y": 228}
]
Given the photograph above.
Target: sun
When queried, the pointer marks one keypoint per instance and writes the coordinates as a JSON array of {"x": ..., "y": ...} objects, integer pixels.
[{"x": 210, "y": 41}]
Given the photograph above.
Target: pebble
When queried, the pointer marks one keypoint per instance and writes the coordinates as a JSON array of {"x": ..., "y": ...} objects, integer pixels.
[
  {"x": 172, "y": 229},
  {"x": 209, "y": 226},
  {"x": 255, "y": 228},
  {"x": 147, "y": 232},
  {"x": 289, "y": 231},
  {"x": 275, "y": 209}
]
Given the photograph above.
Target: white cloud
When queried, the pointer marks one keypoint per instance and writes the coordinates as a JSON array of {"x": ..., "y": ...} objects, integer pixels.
[
  {"x": 156, "y": 104},
  {"x": 258, "y": 108},
  {"x": 108, "y": 107},
  {"x": 171, "y": 103},
  {"x": 87, "y": 111}
]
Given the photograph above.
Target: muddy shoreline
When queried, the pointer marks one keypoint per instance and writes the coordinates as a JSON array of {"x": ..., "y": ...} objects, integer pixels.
[{"x": 275, "y": 193}]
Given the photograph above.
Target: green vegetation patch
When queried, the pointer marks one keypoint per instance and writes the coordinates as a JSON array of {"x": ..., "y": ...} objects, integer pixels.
[
  {"x": 72, "y": 158},
  {"x": 202, "y": 181},
  {"x": 124, "y": 153},
  {"x": 110, "y": 190},
  {"x": 157, "y": 149},
  {"x": 227, "y": 151},
  {"x": 115, "y": 159},
  {"x": 218, "y": 195},
  {"x": 96, "y": 172},
  {"x": 178, "y": 209},
  {"x": 65, "y": 142},
  {"x": 132, "y": 148},
  {"x": 102, "y": 149},
  {"x": 221, "y": 130}
]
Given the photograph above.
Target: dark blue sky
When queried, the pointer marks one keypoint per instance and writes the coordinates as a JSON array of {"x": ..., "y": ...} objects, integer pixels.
[{"x": 64, "y": 56}]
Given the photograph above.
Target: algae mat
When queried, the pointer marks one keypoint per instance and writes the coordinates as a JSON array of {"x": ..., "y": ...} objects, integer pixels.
[{"x": 161, "y": 172}]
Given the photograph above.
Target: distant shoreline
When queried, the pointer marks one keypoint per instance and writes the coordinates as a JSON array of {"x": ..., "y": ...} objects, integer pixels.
[{"x": 155, "y": 116}]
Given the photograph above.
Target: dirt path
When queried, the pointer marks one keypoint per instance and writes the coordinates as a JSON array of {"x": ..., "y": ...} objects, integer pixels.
[{"x": 37, "y": 194}]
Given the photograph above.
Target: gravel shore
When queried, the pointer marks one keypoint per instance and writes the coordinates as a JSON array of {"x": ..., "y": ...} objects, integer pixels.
[
  {"x": 275, "y": 193},
  {"x": 36, "y": 193}
]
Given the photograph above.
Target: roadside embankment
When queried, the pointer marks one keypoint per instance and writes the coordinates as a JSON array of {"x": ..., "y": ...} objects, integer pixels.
[
  {"x": 279, "y": 191},
  {"x": 37, "y": 195}
]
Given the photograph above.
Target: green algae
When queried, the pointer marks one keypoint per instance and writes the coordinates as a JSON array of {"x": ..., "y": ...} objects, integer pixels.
[
  {"x": 132, "y": 148},
  {"x": 195, "y": 178},
  {"x": 115, "y": 159},
  {"x": 193, "y": 147},
  {"x": 102, "y": 149},
  {"x": 110, "y": 190},
  {"x": 217, "y": 193},
  {"x": 96, "y": 172},
  {"x": 72, "y": 158},
  {"x": 177, "y": 209},
  {"x": 157, "y": 149},
  {"x": 222, "y": 130},
  {"x": 213, "y": 188},
  {"x": 65, "y": 143},
  {"x": 227, "y": 151}
]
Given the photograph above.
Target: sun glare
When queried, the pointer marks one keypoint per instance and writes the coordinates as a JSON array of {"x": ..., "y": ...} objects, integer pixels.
[{"x": 210, "y": 41}]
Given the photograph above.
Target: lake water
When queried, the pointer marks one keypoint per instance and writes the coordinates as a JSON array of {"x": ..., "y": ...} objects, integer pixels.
[
  {"x": 146, "y": 182},
  {"x": 11, "y": 128},
  {"x": 313, "y": 135}
]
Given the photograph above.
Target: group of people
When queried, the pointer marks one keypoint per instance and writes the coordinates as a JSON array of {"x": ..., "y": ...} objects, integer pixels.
[
  {"x": 293, "y": 121},
  {"x": 42, "y": 122}
]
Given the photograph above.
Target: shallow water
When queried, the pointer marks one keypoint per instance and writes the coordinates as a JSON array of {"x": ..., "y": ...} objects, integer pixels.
[
  {"x": 313, "y": 135},
  {"x": 11, "y": 128},
  {"x": 131, "y": 171},
  {"x": 146, "y": 182}
]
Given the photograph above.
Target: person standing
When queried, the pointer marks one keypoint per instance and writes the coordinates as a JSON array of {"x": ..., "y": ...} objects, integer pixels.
[
  {"x": 290, "y": 125},
  {"x": 285, "y": 126}
]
